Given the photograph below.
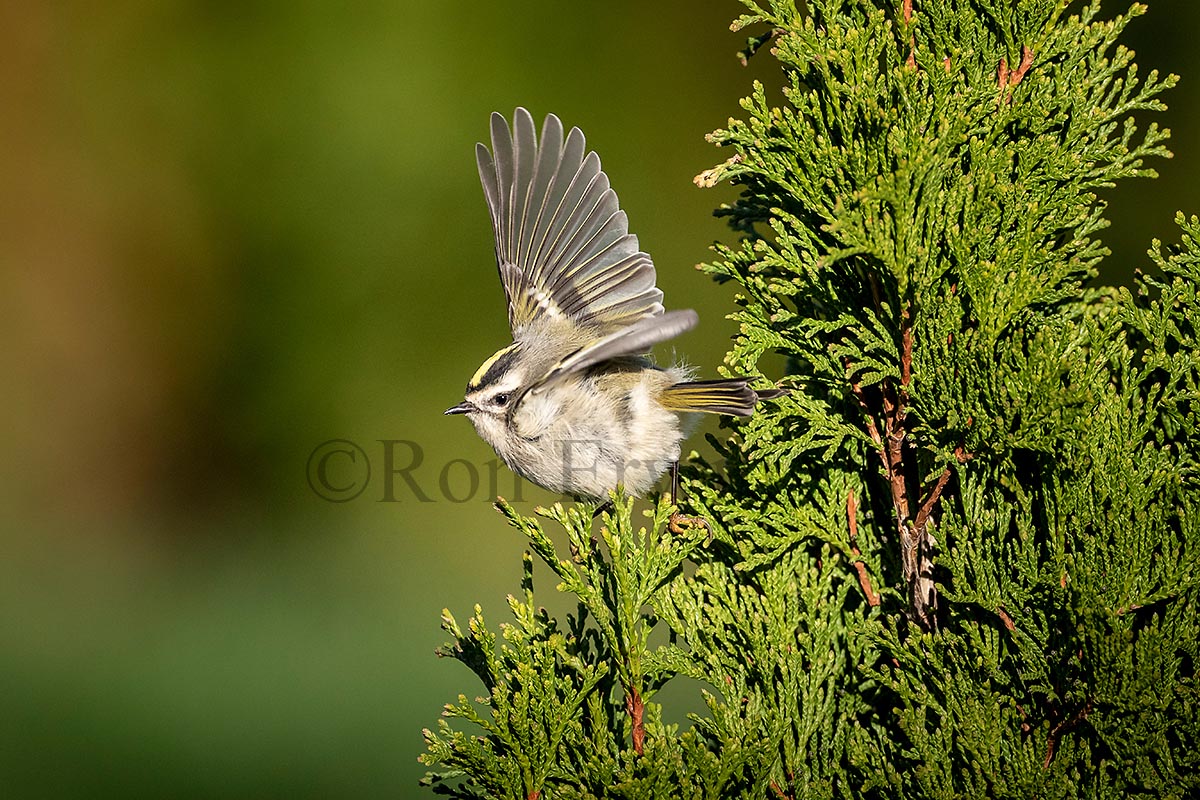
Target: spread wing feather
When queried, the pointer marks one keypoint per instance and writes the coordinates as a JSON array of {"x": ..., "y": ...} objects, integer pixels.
[{"x": 562, "y": 242}]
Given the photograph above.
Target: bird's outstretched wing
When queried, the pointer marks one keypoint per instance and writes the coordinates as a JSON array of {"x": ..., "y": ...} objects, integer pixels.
[{"x": 562, "y": 242}]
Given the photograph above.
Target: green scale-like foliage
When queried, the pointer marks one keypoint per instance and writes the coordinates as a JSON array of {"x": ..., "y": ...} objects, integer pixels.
[{"x": 919, "y": 219}]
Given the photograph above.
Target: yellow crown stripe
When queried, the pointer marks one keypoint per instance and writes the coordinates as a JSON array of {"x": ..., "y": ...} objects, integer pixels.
[{"x": 479, "y": 373}]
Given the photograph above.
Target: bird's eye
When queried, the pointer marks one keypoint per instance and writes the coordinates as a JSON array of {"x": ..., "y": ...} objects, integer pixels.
[{"x": 500, "y": 399}]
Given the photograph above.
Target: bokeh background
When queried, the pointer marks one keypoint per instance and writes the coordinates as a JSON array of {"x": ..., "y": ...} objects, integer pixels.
[{"x": 230, "y": 232}]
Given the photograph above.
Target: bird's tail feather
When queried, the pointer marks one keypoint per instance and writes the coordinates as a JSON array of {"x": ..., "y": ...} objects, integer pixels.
[{"x": 732, "y": 396}]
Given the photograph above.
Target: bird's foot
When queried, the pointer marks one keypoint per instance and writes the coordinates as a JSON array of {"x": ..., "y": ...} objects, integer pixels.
[{"x": 680, "y": 525}]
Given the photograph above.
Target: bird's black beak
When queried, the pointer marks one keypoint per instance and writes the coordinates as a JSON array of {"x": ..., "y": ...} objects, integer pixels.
[{"x": 465, "y": 407}]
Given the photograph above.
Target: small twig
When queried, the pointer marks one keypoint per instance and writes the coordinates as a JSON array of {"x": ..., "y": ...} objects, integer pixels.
[
  {"x": 636, "y": 709},
  {"x": 930, "y": 501},
  {"x": 1062, "y": 727},
  {"x": 876, "y": 291},
  {"x": 1026, "y": 63},
  {"x": 1009, "y": 78},
  {"x": 859, "y": 395},
  {"x": 864, "y": 579},
  {"x": 872, "y": 428},
  {"x": 1008, "y": 623},
  {"x": 916, "y": 546},
  {"x": 755, "y": 43},
  {"x": 912, "y": 42},
  {"x": 779, "y": 792}
]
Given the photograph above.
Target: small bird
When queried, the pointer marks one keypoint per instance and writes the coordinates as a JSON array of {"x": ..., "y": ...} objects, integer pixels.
[{"x": 574, "y": 404}]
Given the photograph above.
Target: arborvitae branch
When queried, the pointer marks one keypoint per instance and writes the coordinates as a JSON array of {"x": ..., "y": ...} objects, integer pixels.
[{"x": 962, "y": 557}]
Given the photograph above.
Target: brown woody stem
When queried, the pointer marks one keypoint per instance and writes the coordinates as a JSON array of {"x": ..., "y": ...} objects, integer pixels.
[
  {"x": 901, "y": 471},
  {"x": 1008, "y": 78},
  {"x": 636, "y": 709},
  {"x": 864, "y": 579},
  {"x": 1062, "y": 727},
  {"x": 907, "y": 9}
]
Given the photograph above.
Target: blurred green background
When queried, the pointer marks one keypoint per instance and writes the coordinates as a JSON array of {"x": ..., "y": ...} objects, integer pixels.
[{"x": 232, "y": 231}]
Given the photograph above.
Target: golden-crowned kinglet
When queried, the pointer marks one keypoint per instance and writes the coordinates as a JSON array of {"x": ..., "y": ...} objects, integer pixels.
[{"x": 574, "y": 404}]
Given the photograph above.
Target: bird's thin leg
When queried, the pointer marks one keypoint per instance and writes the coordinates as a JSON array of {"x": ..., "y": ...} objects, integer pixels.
[
  {"x": 677, "y": 523},
  {"x": 675, "y": 483}
]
